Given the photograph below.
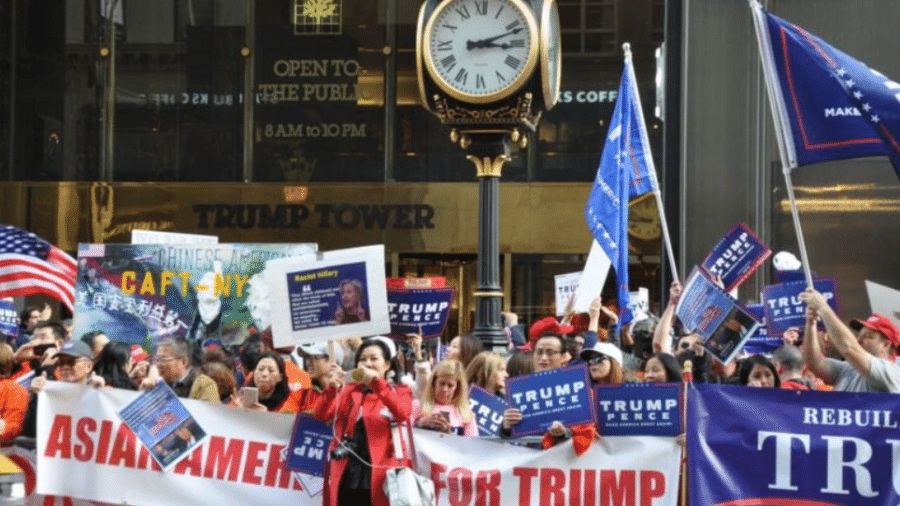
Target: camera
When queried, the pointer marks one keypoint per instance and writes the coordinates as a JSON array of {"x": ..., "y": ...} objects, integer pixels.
[{"x": 343, "y": 449}]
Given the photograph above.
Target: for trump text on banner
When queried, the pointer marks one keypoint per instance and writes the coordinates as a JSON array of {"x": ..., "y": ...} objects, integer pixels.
[
  {"x": 830, "y": 106},
  {"x": 626, "y": 170},
  {"x": 764, "y": 446},
  {"x": 615, "y": 471}
]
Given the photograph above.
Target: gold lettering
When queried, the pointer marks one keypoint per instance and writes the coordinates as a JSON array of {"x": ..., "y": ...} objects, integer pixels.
[
  {"x": 240, "y": 281},
  {"x": 185, "y": 276},
  {"x": 128, "y": 282},
  {"x": 147, "y": 287},
  {"x": 165, "y": 280}
]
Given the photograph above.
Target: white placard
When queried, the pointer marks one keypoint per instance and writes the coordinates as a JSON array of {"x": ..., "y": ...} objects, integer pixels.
[
  {"x": 157, "y": 237},
  {"x": 566, "y": 285},
  {"x": 639, "y": 304},
  {"x": 592, "y": 278},
  {"x": 332, "y": 294},
  {"x": 884, "y": 300}
]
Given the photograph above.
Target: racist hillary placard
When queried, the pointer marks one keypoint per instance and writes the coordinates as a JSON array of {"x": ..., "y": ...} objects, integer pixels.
[
  {"x": 140, "y": 293},
  {"x": 331, "y": 294},
  {"x": 562, "y": 395}
]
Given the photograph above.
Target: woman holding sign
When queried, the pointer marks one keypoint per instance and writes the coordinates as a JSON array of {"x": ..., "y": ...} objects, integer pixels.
[{"x": 362, "y": 414}]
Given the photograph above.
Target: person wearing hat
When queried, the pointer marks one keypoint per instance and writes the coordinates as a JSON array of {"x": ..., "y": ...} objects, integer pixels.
[
  {"x": 361, "y": 414},
  {"x": 74, "y": 362},
  {"x": 604, "y": 364},
  {"x": 322, "y": 362},
  {"x": 869, "y": 355}
]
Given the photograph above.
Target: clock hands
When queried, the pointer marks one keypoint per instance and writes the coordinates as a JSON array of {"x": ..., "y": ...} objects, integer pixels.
[{"x": 489, "y": 42}]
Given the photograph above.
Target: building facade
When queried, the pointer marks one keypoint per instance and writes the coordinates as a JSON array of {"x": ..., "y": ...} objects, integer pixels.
[{"x": 299, "y": 121}]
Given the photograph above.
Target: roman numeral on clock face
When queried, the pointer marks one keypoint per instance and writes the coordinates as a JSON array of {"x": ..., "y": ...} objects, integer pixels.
[
  {"x": 448, "y": 62},
  {"x": 461, "y": 76},
  {"x": 481, "y": 7},
  {"x": 512, "y": 61}
]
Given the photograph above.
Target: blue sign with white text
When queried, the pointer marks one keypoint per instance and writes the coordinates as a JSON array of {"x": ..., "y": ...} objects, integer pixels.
[
  {"x": 783, "y": 306},
  {"x": 308, "y": 449},
  {"x": 562, "y": 395},
  {"x": 761, "y": 341},
  {"x": 639, "y": 409},
  {"x": 328, "y": 296},
  {"x": 772, "y": 447},
  {"x": 488, "y": 410},
  {"x": 9, "y": 319},
  {"x": 736, "y": 256},
  {"x": 424, "y": 310}
]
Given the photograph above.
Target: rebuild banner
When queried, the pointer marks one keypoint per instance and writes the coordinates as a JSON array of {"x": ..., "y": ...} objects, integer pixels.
[{"x": 771, "y": 447}]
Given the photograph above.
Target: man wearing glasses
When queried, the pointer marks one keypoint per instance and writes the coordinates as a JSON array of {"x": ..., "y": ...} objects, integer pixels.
[
  {"x": 74, "y": 362},
  {"x": 172, "y": 364}
]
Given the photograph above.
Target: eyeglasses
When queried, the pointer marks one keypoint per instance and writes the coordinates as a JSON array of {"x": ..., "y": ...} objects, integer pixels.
[
  {"x": 157, "y": 359},
  {"x": 546, "y": 352},
  {"x": 596, "y": 359},
  {"x": 67, "y": 361}
]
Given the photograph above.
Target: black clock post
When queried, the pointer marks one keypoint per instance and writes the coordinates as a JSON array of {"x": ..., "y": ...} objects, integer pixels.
[
  {"x": 488, "y": 151},
  {"x": 488, "y": 69}
]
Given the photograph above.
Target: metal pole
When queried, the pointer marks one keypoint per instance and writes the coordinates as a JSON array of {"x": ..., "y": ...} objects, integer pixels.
[
  {"x": 110, "y": 112},
  {"x": 796, "y": 216},
  {"x": 13, "y": 64},
  {"x": 489, "y": 152},
  {"x": 249, "y": 89},
  {"x": 390, "y": 88}
]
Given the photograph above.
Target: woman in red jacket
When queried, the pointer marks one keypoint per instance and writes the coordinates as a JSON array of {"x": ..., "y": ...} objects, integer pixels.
[{"x": 362, "y": 413}]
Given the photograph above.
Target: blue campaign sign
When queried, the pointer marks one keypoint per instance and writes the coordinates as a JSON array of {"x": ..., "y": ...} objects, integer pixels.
[
  {"x": 761, "y": 341},
  {"x": 414, "y": 310},
  {"x": 9, "y": 319},
  {"x": 639, "y": 409},
  {"x": 488, "y": 410},
  {"x": 562, "y": 395},
  {"x": 329, "y": 296},
  {"x": 767, "y": 446},
  {"x": 703, "y": 306},
  {"x": 308, "y": 449},
  {"x": 736, "y": 256},
  {"x": 783, "y": 306},
  {"x": 163, "y": 424}
]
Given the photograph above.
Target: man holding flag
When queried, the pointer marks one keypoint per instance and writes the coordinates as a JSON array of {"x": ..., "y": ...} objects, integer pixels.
[{"x": 626, "y": 170}]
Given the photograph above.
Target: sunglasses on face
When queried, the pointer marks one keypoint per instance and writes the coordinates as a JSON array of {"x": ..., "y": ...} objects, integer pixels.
[{"x": 596, "y": 359}]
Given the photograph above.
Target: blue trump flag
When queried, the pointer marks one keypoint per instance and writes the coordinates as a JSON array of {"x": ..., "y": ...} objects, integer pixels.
[
  {"x": 828, "y": 105},
  {"x": 626, "y": 170}
]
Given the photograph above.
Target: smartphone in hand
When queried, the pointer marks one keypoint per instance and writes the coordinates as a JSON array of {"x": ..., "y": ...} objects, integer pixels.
[{"x": 249, "y": 396}]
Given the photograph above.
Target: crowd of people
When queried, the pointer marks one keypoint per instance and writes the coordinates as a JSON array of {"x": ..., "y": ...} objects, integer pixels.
[{"x": 365, "y": 387}]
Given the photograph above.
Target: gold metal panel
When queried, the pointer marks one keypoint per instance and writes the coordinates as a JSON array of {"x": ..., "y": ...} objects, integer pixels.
[{"x": 407, "y": 218}]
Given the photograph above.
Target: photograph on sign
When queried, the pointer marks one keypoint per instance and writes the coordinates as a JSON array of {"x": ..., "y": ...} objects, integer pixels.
[
  {"x": 162, "y": 423},
  {"x": 141, "y": 293},
  {"x": 333, "y": 294}
]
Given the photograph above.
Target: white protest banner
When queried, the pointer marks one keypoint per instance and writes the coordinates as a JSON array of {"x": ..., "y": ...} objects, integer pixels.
[
  {"x": 157, "y": 237},
  {"x": 240, "y": 461},
  {"x": 331, "y": 294},
  {"x": 614, "y": 471},
  {"x": 593, "y": 277},
  {"x": 884, "y": 301},
  {"x": 566, "y": 285}
]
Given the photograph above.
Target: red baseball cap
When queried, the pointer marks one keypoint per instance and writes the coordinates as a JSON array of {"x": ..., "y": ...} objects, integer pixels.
[
  {"x": 879, "y": 323},
  {"x": 546, "y": 325}
]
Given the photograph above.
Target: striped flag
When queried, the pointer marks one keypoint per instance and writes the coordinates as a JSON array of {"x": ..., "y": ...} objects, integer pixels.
[{"x": 30, "y": 265}]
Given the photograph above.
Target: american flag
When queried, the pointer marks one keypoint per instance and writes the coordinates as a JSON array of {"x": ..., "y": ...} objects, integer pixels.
[{"x": 30, "y": 265}]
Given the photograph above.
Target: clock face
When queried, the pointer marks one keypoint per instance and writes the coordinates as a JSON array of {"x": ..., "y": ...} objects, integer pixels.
[
  {"x": 643, "y": 220},
  {"x": 551, "y": 57},
  {"x": 480, "y": 50}
]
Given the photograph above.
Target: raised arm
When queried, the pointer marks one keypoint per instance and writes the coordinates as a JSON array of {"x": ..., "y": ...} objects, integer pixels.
[
  {"x": 812, "y": 349},
  {"x": 662, "y": 343},
  {"x": 843, "y": 338}
]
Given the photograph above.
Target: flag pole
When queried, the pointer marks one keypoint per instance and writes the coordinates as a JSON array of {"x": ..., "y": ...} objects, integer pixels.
[
  {"x": 782, "y": 127},
  {"x": 652, "y": 169}
]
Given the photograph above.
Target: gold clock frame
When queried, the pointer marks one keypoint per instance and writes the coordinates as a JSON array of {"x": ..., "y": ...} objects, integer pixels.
[
  {"x": 546, "y": 85},
  {"x": 423, "y": 52}
]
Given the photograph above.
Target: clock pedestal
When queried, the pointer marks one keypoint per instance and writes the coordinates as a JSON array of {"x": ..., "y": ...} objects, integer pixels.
[{"x": 488, "y": 151}]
